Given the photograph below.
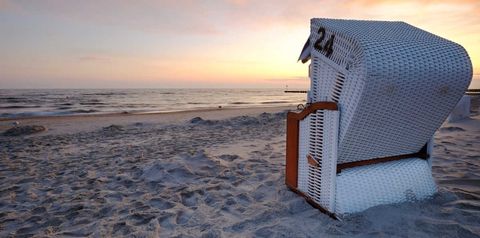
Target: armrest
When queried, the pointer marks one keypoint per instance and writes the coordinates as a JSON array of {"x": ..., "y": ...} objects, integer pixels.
[
  {"x": 293, "y": 119},
  {"x": 311, "y": 109}
]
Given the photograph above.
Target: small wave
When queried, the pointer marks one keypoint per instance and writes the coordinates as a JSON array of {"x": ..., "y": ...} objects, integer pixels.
[
  {"x": 13, "y": 100},
  {"x": 84, "y": 111},
  {"x": 103, "y": 94},
  {"x": 90, "y": 100},
  {"x": 9, "y": 98},
  {"x": 92, "y": 103},
  {"x": 17, "y": 107},
  {"x": 32, "y": 114}
]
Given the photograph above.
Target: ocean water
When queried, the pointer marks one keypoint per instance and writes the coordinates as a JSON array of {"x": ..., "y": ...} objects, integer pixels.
[{"x": 17, "y": 103}]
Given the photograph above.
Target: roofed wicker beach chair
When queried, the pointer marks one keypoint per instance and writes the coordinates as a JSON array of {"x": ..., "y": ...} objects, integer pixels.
[{"x": 379, "y": 91}]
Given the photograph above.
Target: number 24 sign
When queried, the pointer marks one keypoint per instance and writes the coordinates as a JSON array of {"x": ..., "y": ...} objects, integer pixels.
[{"x": 327, "y": 47}]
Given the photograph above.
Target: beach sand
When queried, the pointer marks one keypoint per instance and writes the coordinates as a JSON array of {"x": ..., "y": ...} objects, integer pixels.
[{"x": 221, "y": 175}]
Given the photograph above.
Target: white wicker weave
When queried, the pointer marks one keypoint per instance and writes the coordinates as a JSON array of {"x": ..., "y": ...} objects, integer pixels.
[
  {"x": 398, "y": 181},
  {"x": 304, "y": 134},
  {"x": 394, "y": 84},
  {"x": 319, "y": 140}
]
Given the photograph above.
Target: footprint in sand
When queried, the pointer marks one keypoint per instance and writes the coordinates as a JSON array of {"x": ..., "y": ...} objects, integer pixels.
[
  {"x": 189, "y": 199},
  {"x": 183, "y": 216},
  {"x": 161, "y": 204}
]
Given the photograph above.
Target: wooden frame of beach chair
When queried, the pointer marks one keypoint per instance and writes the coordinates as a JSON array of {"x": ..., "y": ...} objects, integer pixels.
[{"x": 379, "y": 90}]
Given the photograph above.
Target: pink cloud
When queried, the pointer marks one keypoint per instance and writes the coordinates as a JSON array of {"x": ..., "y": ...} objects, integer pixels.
[
  {"x": 4, "y": 4},
  {"x": 8, "y": 6},
  {"x": 182, "y": 17},
  {"x": 94, "y": 58},
  {"x": 210, "y": 18}
]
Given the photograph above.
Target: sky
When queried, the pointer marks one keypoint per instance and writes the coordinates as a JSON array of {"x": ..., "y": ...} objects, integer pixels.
[{"x": 192, "y": 44}]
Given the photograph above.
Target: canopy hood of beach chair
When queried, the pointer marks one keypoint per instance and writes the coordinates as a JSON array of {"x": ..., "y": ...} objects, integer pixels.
[
  {"x": 392, "y": 45},
  {"x": 394, "y": 83}
]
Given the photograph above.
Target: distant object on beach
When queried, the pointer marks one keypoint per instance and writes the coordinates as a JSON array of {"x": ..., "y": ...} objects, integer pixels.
[
  {"x": 24, "y": 130},
  {"x": 295, "y": 91},
  {"x": 473, "y": 92}
]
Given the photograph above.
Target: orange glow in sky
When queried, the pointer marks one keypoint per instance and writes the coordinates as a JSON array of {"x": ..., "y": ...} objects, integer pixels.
[{"x": 149, "y": 43}]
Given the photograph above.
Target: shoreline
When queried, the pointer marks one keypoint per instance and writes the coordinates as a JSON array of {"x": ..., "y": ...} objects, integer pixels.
[
  {"x": 126, "y": 113},
  {"x": 76, "y": 123},
  {"x": 52, "y": 103}
]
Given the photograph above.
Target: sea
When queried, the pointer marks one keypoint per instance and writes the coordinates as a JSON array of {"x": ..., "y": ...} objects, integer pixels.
[{"x": 21, "y": 103}]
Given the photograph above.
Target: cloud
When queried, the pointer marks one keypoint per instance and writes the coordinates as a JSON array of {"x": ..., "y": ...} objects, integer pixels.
[
  {"x": 95, "y": 58},
  {"x": 8, "y": 6},
  {"x": 185, "y": 17},
  {"x": 239, "y": 3},
  {"x": 218, "y": 17},
  {"x": 4, "y": 4}
]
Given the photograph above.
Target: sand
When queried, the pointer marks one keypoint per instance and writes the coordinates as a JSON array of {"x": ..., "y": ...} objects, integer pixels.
[{"x": 219, "y": 175}]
